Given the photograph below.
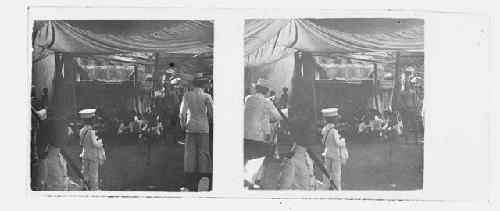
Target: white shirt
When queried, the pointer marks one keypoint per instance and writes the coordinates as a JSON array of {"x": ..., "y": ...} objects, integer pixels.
[
  {"x": 332, "y": 141},
  {"x": 258, "y": 112},
  {"x": 195, "y": 107}
]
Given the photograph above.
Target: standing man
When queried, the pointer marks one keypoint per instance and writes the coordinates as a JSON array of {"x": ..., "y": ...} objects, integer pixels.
[
  {"x": 45, "y": 97},
  {"x": 284, "y": 98},
  {"x": 409, "y": 110},
  {"x": 196, "y": 110},
  {"x": 259, "y": 112},
  {"x": 333, "y": 146},
  {"x": 168, "y": 114}
]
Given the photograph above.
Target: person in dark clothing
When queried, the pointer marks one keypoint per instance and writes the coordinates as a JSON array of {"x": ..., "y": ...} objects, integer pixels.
[
  {"x": 284, "y": 98},
  {"x": 45, "y": 97}
]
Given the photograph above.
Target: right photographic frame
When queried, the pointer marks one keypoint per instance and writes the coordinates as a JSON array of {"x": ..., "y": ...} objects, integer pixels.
[{"x": 334, "y": 104}]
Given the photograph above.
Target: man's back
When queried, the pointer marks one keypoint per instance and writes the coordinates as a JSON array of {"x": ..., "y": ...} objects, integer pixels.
[
  {"x": 409, "y": 98},
  {"x": 258, "y": 112},
  {"x": 195, "y": 105}
]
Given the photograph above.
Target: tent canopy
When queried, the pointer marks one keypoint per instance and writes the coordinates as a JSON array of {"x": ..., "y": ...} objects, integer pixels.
[
  {"x": 99, "y": 37},
  {"x": 269, "y": 40}
]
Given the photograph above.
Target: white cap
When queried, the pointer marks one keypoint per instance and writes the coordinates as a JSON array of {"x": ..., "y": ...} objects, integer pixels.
[
  {"x": 329, "y": 112},
  {"x": 262, "y": 82},
  {"x": 87, "y": 113},
  {"x": 157, "y": 93},
  {"x": 175, "y": 81},
  {"x": 415, "y": 79}
]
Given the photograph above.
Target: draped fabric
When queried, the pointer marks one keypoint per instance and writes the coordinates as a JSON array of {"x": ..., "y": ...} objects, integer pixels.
[
  {"x": 329, "y": 36},
  {"x": 113, "y": 37}
]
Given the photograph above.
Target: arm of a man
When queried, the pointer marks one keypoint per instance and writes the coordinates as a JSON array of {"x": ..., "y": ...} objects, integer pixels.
[
  {"x": 97, "y": 143},
  {"x": 336, "y": 138},
  {"x": 272, "y": 112},
  {"x": 183, "y": 111},
  {"x": 209, "y": 104}
]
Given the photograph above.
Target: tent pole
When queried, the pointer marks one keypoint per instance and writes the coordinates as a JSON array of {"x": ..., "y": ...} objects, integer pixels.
[
  {"x": 155, "y": 75},
  {"x": 135, "y": 89},
  {"x": 73, "y": 98},
  {"x": 375, "y": 87},
  {"x": 315, "y": 104},
  {"x": 397, "y": 83}
]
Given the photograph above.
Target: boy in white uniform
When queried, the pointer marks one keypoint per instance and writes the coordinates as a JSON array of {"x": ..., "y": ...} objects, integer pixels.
[{"x": 333, "y": 146}]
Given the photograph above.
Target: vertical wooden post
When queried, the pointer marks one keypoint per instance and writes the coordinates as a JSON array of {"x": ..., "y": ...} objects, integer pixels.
[
  {"x": 73, "y": 98},
  {"x": 397, "y": 83},
  {"x": 57, "y": 93},
  {"x": 375, "y": 86},
  {"x": 136, "y": 103},
  {"x": 155, "y": 75},
  {"x": 315, "y": 102}
]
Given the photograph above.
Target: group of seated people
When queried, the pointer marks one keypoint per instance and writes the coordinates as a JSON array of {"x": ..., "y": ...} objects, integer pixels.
[
  {"x": 141, "y": 128},
  {"x": 379, "y": 127}
]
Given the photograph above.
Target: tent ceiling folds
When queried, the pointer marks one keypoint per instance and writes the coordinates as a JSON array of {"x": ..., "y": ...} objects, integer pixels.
[
  {"x": 348, "y": 35},
  {"x": 99, "y": 37}
]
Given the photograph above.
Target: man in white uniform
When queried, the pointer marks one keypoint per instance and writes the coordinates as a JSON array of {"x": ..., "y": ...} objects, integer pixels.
[{"x": 333, "y": 146}]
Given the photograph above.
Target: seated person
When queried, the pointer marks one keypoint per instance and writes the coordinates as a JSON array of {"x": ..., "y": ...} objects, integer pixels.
[
  {"x": 125, "y": 128},
  {"x": 365, "y": 130},
  {"x": 365, "y": 126},
  {"x": 391, "y": 126},
  {"x": 151, "y": 130},
  {"x": 138, "y": 123}
]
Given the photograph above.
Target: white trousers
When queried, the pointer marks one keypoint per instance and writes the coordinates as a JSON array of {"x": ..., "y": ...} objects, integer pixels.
[{"x": 334, "y": 168}]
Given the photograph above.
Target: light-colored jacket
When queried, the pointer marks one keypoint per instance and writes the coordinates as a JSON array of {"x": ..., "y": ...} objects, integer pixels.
[
  {"x": 258, "y": 112},
  {"x": 195, "y": 107},
  {"x": 90, "y": 144},
  {"x": 332, "y": 141}
]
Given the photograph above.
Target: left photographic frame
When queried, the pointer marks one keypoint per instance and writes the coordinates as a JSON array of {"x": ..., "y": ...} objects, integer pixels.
[{"x": 121, "y": 105}]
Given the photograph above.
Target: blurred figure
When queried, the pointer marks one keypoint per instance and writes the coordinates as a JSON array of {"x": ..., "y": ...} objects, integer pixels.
[
  {"x": 284, "y": 98},
  {"x": 45, "y": 97},
  {"x": 408, "y": 111},
  {"x": 297, "y": 172}
]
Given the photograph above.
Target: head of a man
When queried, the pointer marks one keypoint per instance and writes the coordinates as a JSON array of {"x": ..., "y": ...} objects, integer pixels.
[
  {"x": 89, "y": 121},
  {"x": 332, "y": 119},
  {"x": 285, "y": 90},
  {"x": 45, "y": 91},
  {"x": 366, "y": 120},
  {"x": 261, "y": 89},
  {"x": 198, "y": 83},
  {"x": 272, "y": 93}
]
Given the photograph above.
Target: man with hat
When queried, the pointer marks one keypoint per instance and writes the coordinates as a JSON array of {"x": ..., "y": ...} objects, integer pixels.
[
  {"x": 196, "y": 109},
  {"x": 167, "y": 108},
  {"x": 258, "y": 114},
  {"x": 334, "y": 144},
  {"x": 91, "y": 145}
]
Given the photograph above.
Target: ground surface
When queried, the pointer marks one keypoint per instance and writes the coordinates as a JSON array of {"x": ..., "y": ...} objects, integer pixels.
[
  {"x": 372, "y": 165},
  {"x": 127, "y": 169}
]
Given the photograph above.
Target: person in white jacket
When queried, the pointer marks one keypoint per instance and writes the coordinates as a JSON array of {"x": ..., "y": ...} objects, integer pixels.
[
  {"x": 259, "y": 112},
  {"x": 333, "y": 146}
]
